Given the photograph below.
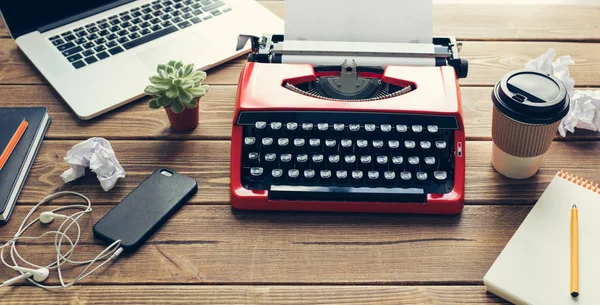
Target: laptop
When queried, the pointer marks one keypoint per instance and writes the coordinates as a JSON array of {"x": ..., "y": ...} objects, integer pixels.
[{"x": 98, "y": 54}]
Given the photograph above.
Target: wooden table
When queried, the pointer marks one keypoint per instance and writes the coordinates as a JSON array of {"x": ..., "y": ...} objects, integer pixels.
[{"x": 209, "y": 253}]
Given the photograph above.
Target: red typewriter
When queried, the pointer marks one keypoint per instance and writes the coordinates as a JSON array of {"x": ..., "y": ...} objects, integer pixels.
[{"x": 334, "y": 126}]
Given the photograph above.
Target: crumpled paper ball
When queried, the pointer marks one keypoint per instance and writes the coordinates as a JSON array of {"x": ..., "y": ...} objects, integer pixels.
[
  {"x": 99, "y": 156},
  {"x": 584, "y": 110}
]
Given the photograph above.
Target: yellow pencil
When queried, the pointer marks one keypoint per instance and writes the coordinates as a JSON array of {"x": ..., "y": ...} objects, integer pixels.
[{"x": 574, "y": 252}]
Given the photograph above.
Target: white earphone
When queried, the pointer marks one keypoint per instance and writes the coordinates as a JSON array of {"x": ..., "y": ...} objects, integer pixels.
[{"x": 37, "y": 274}]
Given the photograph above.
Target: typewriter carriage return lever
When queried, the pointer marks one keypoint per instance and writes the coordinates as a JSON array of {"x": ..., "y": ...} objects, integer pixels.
[{"x": 339, "y": 136}]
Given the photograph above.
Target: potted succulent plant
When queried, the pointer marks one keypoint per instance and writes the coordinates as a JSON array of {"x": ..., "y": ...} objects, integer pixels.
[{"x": 178, "y": 88}]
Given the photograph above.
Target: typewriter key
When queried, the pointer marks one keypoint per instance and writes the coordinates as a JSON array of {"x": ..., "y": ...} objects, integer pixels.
[
  {"x": 349, "y": 159},
  {"x": 256, "y": 171},
  {"x": 341, "y": 174},
  {"x": 299, "y": 142},
  {"x": 382, "y": 160},
  {"x": 417, "y": 128},
  {"x": 323, "y": 126},
  {"x": 389, "y": 175},
  {"x": 325, "y": 174},
  {"x": 440, "y": 175},
  {"x": 405, "y": 176},
  {"x": 338, "y": 126},
  {"x": 283, "y": 142},
  {"x": 365, "y": 159},
  {"x": 377, "y": 143},
  {"x": 276, "y": 125},
  {"x": 277, "y": 173},
  {"x": 432, "y": 128},
  {"x": 314, "y": 142},
  {"x": 357, "y": 175},
  {"x": 386, "y": 127},
  {"x": 318, "y": 158},
  {"x": 286, "y": 157},
  {"x": 414, "y": 160},
  {"x": 421, "y": 176},
  {"x": 302, "y": 158},
  {"x": 409, "y": 144},
  {"x": 249, "y": 140},
  {"x": 260, "y": 125},
  {"x": 270, "y": 157},
  {"x": 397, "y": 160},
  {"x": 440, "y": 144},
  {"x": 370, "y": 127},
  {"x": 309, "y": 173},
  {"x": 293, "y": 173},
  {"x": 373, "y": 175},
  {"x": 362, "y": 143},
  {"x": 267, "y": 141},
  {"x": 346, "y": 143},
  {"x": 291, "y": 126},
  {"x": 253, "y": 157},
  {"x": 354, "y": 127},
  {"x": 429, "y": 160},
  {"x": 393, "y": 144},
  {"x": 334, "y": 159},
  {"x": 401, "y": 128},
  {"x": 425, "y": 144},
  {"x": 307, "y": 126}
]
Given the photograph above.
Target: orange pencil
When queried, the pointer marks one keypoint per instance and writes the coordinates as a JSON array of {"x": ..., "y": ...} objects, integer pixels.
[
  {"x": 574, "y": 252},
  {"x": 13, "y": 143}
]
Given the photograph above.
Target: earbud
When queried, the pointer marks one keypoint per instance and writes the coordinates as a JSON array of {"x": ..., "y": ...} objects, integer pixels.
[
  {"x": 48, "y": 217},
  {"x": 39, "y": 275}
]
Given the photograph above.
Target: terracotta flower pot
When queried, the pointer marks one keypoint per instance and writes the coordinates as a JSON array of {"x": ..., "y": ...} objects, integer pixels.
[{"x": 185, "y": 121}]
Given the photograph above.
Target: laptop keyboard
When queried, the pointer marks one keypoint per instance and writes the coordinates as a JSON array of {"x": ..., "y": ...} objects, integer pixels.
[{"x": 110, "y": 36}]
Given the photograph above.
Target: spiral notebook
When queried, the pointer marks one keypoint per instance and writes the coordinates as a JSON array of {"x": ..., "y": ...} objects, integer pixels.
[{"x": 534, "y": 267}]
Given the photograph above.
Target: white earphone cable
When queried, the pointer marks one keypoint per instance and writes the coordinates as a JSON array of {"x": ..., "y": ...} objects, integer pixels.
[{"x": 70, "y": 221}]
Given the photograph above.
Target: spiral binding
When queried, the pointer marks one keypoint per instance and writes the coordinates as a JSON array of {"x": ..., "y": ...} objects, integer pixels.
[{"x": 579, "y": 181}]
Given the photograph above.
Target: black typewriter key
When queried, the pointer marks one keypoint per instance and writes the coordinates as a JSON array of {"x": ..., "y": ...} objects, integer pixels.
[
  {"x": 357, "y": 176},
  {"x": 362, "y": 145},
  {"x": 267, "y": 141},
  {"x": 276, "y": 174},
  {"x": 440, "y": 176},
  {"x": 249, "y": 141},
  {"x": 370, "y": 127},
  {"x": 401, "y": 128},
  {"x": 393, "y": 144},
  {"x": 338, "y": 126},
  {"x": 366, "y": 162},
  {"x": 397, "y": 162},
  {"x": 270, "y": 158},
  {"x": 309, "y": 175},
  {"x": 382, "y": 162},
  {"x": 317, "y": 160},
  {"x": 425, "y": 145},
  {"x": 413, "y": 162},
  {"x": 331, "y": 145},
  {"x": 253, "y": 158},
  {"x": 421, "y": 177},
  {"x": 341, "y": 175},
  {"x": 389, "y": 177},
  {"x": 285, "y": 158},
  {"x": 315, "y": 144},
  {"x": 283, "y": 142},
  {"x": 333, "y": 161},
  {"x": 432, "y": 128},
  {"x": 293, "y": 174},
  {"x": 409, "y": 144},
  {"x": 376, "y": 146},
  {"x": 256, "y": 173},
  {"x": 416, "y": 128},
  {"x": 307, "y": 126},
  {"x": 299, "y": 143},
  {"x": 260, "y": 125},
  {"x": 405, "y": 176},
  {"x": 323, "y": 126},
  {"x": 354, "y": 127},
  {"x": 440, "y": 145},
  {"x": 325, "y": 175},
  {"x": 373, "y": 177},
  {"x": 346, "y": 145},
  {"x": 302, "y": 161},
  {"x": 349, "y": 161},
  {"x": 291, "y": 126},
  {"x": 429, "y": 162},
  {"x": 275, "y": 125}
]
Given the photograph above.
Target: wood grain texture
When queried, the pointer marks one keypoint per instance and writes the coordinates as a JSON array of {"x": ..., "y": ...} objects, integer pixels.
[
  {"x": 215, "y": 244},
  {"x": 264, "y": 295},
  {"x": 208, "y": 163},
  {"x": 488, "y": 62},
  {"x": 137, "y": 121}
]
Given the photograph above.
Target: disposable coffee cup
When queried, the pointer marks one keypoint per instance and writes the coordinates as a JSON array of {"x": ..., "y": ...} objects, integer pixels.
[{"x": 528, "y": 107}]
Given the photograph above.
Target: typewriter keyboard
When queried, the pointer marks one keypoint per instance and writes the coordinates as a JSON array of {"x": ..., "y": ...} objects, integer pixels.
[{"x": 347, "y": 156}]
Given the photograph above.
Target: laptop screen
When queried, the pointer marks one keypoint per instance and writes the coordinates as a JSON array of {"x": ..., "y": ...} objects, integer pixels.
[{"x": 24, "y": 16}]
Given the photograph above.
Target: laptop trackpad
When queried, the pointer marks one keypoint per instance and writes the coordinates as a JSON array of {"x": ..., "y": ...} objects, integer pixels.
[{"x": 189, "y": 48}]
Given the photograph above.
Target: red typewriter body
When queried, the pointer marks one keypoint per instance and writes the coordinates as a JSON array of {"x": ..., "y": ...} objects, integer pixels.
[{"x": 435, "y": 95}]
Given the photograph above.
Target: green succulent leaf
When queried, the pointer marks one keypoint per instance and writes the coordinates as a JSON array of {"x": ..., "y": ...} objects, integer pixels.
[
  {"x": 170, "y": 70},
  {"x": 197, "y": 92},
  {"x": 188, "y": 70},
  {"x": 193, "y": 103},
  {"x": 155, "y": 79},
  {"x": 177, "y": 82},
  {"x": 151, "y": 90},
  {"x": 162, "y": 87},
  {"x": 184, "y": 96},
  {"x": 177, "y": 106},
  {"x": 153, "y": 104},
  {"x": 178, "y": 65},
  {"x": 173, "y": 92},
  {"x": 161, "y": 67},
  {"x": 187, "y": 84},
  {"x": 163, "y": 100},
  {"x": 171, "y": 63}
]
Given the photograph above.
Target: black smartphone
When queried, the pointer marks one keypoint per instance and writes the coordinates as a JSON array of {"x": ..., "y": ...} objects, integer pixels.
[{"x": 145, "y": 209}]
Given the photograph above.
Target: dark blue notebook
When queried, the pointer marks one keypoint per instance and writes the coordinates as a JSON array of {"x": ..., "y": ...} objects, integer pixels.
[{"x": 14, "y": 173}]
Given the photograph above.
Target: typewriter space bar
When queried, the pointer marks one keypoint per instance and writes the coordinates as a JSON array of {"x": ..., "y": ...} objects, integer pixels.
[{"x": 333, "y": 193}]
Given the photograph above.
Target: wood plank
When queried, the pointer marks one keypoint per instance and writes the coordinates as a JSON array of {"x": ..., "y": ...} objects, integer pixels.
[
  {"x": 208, "y": 163},
  {"x": 137, "y": 121},
  {"x": 484, "y": 21},
  {"x": 215, "y": 245},
  {"x": 488, "y": 62},
  {"x": 265, "y": 295}
]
